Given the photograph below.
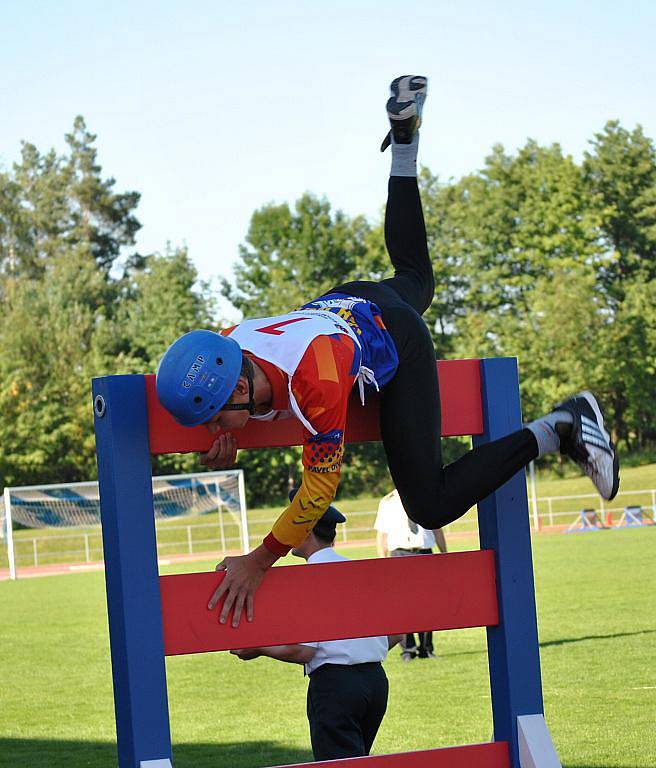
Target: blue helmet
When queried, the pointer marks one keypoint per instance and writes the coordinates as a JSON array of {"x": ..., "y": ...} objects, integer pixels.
[{"x": 197, "y": 375}]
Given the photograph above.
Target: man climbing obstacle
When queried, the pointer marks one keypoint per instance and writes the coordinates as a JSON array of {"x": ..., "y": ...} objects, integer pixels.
[{"x": 369, "y": 334}]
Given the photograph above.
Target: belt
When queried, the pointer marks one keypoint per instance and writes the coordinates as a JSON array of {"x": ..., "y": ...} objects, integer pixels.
[
  {"x": 413, "y": 550},
  {"x": 364, "y": 665}
]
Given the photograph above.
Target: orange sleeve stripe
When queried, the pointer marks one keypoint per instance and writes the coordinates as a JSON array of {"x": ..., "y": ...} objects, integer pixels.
[{"x": 324, "y": 358}]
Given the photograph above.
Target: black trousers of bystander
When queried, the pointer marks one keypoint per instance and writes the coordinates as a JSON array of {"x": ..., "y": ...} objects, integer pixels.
[{"x": 345, "y": 707}]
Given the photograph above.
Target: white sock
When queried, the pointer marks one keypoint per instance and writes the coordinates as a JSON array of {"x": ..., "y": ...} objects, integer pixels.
[
  {"x": 404, "y": 157},
  {"x": 545, "y": 432}
]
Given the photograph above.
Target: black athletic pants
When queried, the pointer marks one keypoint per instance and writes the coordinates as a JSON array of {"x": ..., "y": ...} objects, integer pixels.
[
  {"x": 345, "y": 707},
  {"x": 432, "y": 494}
]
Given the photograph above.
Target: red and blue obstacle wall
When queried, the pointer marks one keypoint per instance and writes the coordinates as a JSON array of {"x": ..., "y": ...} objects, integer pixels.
[{"x": 152, "y": 616}]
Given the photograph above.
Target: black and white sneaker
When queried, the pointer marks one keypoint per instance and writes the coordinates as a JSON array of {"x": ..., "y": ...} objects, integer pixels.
[
  {"x": 589, "y": 445},
  {"x": 404, "y": 108}
]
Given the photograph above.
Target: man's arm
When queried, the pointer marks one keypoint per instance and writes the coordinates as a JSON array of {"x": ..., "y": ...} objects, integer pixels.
[
  {"x": 222, "y": 453},
  {"x": 294, "y": 654},
  {"x": 321, "y": 385},
  {"x": 382, "y": 529},
  {"x": 244, "y": 574},
  {"x": 440, "y": 540},
  {"x": 316, "y": 492}
]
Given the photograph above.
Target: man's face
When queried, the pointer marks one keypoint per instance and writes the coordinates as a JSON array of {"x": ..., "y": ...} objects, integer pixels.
[{"x": 226, "y": 421}]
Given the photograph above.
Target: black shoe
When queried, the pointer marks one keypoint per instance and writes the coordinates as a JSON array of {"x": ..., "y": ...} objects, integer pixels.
[
  {"x": 404, "y": 108},
  {"x": 589, "y": 445}
]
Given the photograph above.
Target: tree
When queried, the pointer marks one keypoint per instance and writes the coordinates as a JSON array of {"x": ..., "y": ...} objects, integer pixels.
[
  {"x": 50, "y": 203},
  {"x": 527, "y": 218},
  {"x": 46, "y": 332},
  {"x": 620, "y": 172},
  {"x": 560, "y": 342},
  {"x": 163, "y": 300},
  {"x": 160, "y": 301},
  {"x": 99, "y": 216},
  {"x": 628, "y": 375},
  {"x": 292, "y": 257},
  {"x": 67, "y": 316}
]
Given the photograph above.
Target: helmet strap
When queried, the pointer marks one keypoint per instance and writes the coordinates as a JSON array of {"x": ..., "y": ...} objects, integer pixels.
[{"x": 250, "y": 405}]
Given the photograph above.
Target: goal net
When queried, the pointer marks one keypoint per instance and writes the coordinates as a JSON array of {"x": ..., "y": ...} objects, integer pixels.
[{"x": 199, "y": 498}]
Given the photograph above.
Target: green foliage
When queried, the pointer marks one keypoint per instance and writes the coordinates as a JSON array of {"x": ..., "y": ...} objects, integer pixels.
[
  {"x": 621, "y": 175},
  {"x": 46, "y": 330},
  {"x": 51, "y": 203},
  {"x": 292, "y": 257},
  {"x": 162, "y": 304},
  {"x": 67, "y": 316},
  {"x": 629, "y": 343},
  {"x": 270, "y": 473}
]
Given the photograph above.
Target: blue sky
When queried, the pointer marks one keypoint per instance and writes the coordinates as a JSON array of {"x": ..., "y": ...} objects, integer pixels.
[{"x": 211, "y": 109}]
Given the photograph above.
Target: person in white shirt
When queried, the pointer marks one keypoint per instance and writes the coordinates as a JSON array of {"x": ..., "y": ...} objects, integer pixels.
[
  {"x": 398, "y": 536},
  {"x": 347, "y": 692}
]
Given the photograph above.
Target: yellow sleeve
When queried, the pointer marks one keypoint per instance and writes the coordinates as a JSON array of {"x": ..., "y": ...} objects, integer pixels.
[
  {"x": 312, "y": 499},
  {"x": 321, "y": 385}
]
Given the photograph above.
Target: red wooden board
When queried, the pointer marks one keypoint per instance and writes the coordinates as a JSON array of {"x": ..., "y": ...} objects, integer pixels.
[
  {"x": 492, "y": 755},
  {"x": 331, "y": 601},
  {"x": 460, "y": 395}
]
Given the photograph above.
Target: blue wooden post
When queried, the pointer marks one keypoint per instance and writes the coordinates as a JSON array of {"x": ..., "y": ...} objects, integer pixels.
[
  {"x": 131, "y": 575},
  {"x": 503, "y": 520}
]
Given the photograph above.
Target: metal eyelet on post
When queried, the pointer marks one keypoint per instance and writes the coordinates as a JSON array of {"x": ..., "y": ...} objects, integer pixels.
[{"x": 99, "y": 406}]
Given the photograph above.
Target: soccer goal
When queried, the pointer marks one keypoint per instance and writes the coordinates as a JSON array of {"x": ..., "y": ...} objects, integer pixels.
[{"x": 32, "y": 519}]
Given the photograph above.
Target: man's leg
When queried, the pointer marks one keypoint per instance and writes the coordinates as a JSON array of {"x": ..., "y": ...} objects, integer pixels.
[
  {"x": 405, "y": 230},
  {"x": 405, "y": 238},
  {"x": 378, "y": 690},
  {"x": 425, "y": 645},
  {"x": 408, "y": 647},
  {"x": 416, "y": 380},
  {"x": 434, "y": 495},
  {"x": 408, "y": 644},
  {"x": 405, "y": 235},
  {"x": 335, "y": 703},
  {"x": 426, "y": 650}
]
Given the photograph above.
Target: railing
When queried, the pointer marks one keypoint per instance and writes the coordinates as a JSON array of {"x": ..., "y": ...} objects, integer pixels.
[
  {"x": 550, "y": 512},
  {"x": 86, "y": 547}
]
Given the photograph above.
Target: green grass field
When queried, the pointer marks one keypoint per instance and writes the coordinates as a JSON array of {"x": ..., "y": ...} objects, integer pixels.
[{"x": 597, "y": 619}]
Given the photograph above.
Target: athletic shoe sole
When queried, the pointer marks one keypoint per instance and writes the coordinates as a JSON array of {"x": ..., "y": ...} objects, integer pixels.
[
  {"x": 602, "y": 463},
  {"x": 592, "y": 401},
  {"x": 404, "y": 108}
]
